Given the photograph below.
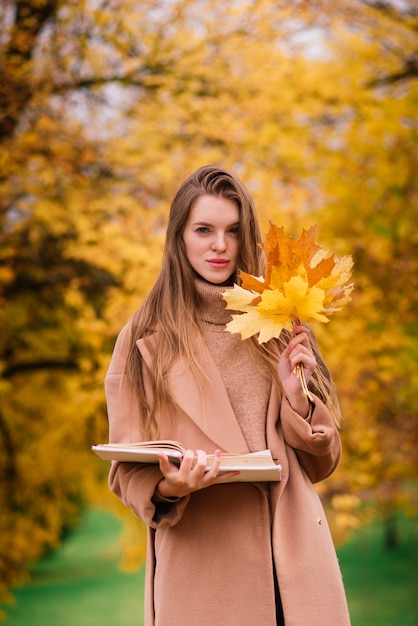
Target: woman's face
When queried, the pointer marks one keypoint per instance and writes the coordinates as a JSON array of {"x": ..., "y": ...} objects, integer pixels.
[{"x": 211, "y": 238}]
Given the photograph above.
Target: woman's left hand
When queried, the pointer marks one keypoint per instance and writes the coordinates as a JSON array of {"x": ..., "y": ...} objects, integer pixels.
[{"x": 298, "y": 351}]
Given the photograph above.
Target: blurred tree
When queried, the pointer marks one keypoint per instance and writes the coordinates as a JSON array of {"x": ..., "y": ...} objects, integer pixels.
[
  {"x": 370, "y": 182},
  {"x": 63, "y": 258}
]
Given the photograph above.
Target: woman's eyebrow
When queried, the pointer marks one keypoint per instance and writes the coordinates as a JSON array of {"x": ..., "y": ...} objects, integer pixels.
[{"x": 203, "y": 223}]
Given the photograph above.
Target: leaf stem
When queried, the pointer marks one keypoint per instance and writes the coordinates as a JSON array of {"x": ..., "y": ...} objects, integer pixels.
[{"x": 299, "y": 371}]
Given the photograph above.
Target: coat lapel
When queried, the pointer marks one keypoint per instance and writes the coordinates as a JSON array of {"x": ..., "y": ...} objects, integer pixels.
[{"x": 206, "y": 402}]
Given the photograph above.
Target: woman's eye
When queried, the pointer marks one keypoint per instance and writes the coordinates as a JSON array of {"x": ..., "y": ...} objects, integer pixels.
[
  {"x": 234, "y": 230},
  {"x": 202, "y": 229}
]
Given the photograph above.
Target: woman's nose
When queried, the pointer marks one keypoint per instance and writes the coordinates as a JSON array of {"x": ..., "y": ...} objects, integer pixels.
[{"x": 219, "y": 242}]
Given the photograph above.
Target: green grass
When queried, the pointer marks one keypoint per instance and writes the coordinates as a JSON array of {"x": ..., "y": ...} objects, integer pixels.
[
  {"x": 382, "y": 585},
  {"x": 80, "y": 584}
]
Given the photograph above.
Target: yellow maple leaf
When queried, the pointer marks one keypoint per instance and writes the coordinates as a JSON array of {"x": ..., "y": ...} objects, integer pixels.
[
  {"x": 303, "y": 282},
  {"x": 294, "y": 300}
]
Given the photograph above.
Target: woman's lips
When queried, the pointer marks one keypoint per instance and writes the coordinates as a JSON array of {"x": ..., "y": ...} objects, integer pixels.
[{"x": 218, "y": 263}]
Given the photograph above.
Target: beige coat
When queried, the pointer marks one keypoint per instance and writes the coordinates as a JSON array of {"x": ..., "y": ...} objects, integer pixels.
[{"x": 209, "y": 556}]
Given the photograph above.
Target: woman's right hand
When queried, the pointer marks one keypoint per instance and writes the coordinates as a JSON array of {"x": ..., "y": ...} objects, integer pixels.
[{"x": 178, "y": 482}]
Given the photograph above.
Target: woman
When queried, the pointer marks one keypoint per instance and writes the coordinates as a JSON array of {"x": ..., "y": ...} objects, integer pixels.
[{"x": 230, "y": 554}]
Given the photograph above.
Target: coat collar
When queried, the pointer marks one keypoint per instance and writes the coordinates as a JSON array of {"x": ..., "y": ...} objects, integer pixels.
[{"x": 207, "y": 403}]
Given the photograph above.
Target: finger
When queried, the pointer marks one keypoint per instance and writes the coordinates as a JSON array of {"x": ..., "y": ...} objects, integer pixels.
[
  {"x": 296, "y": 330},
  {"x": 166, "y": 466},
  {"x": 304, "y": 358},
  {"x": 300, "y": 352},
  {"x": 305, "y": 367},
  {"x": 301, "y": 328},
  {"x": 200, "y": 464},
  {"x": 187, "y": 460},
  {"x": 301, "y": 338},
  {"x": 298, "y": 340},
  {"x": 213, "y": 471}
]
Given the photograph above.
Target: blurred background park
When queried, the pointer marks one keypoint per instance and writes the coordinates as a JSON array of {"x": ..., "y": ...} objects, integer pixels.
[{"x": 105, "y": 107}]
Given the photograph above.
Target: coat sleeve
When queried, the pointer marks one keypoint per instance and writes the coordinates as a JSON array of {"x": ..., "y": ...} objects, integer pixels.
[
  {"x": 316, "y": 440},
  {"x": 133, "y": 483}
]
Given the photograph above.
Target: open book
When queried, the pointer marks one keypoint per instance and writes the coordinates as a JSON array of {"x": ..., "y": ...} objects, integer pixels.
[{"x": 252, "y": 467}]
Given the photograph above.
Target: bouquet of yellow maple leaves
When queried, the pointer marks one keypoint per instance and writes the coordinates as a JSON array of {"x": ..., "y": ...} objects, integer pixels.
[{"x": 302, "y": 283}]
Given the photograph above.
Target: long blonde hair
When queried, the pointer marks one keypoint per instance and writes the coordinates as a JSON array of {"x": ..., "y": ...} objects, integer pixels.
[{"x": 172, "y": 306}]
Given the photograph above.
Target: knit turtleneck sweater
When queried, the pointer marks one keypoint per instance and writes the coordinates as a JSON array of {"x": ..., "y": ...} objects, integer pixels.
[{"x": 246, "y": 377}]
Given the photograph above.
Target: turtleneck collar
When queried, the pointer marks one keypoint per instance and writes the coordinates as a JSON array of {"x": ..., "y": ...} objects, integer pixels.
[{"x": 213, "y": 305}]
